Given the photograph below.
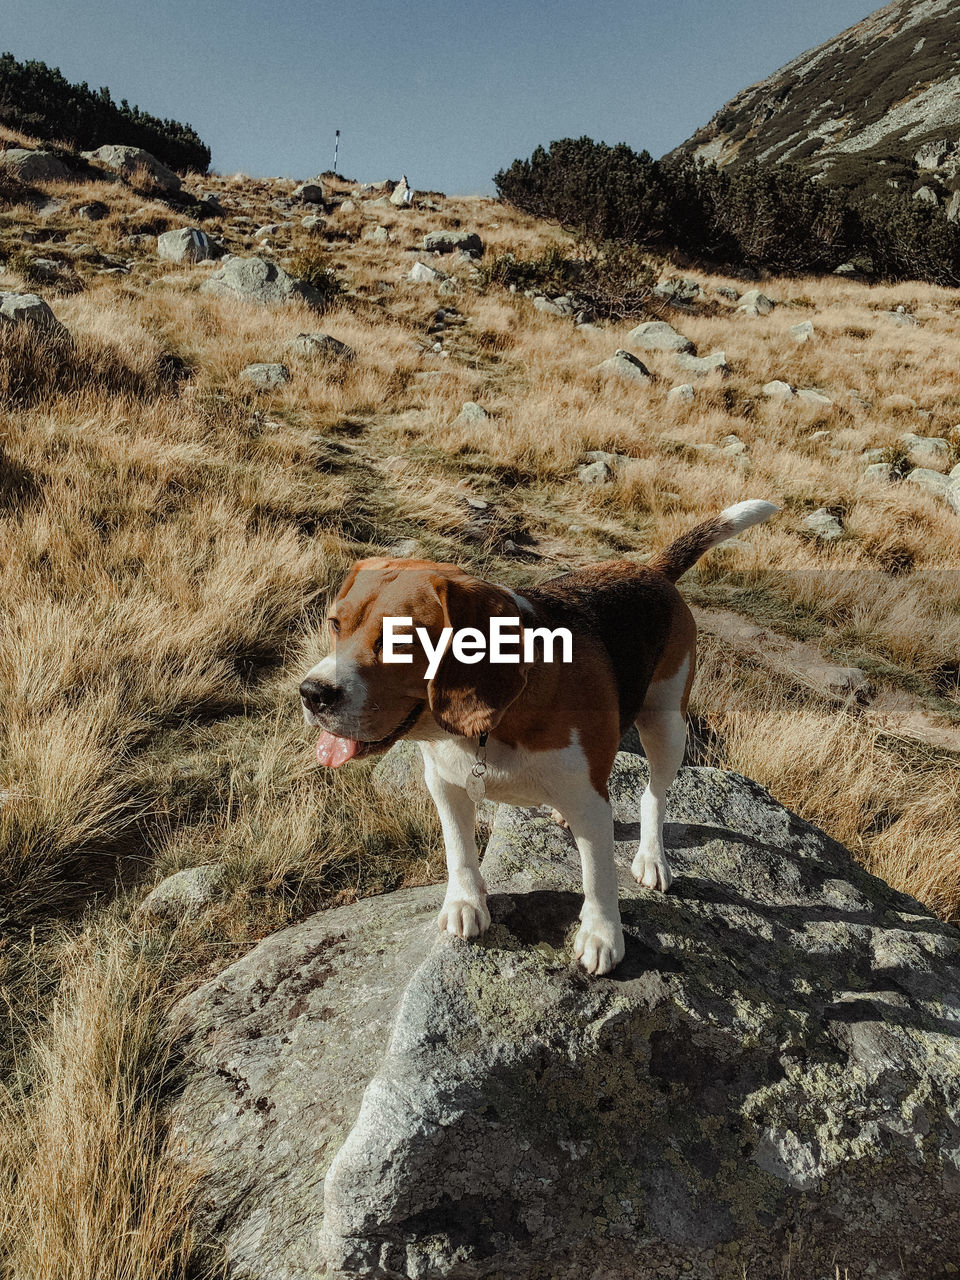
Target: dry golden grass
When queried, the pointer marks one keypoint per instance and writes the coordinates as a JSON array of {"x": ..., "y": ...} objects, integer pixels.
[{"x": 172, "y": 536}]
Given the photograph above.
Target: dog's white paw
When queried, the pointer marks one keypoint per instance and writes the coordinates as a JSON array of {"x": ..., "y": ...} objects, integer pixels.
[
  {"x": 599, "y": 944},
  {"x": 557, "y": 817},
  {"x": 464, "y": 919},
  {"x": 653, "y": 871}
]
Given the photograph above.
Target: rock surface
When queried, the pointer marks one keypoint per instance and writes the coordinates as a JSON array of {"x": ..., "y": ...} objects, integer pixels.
[
  {"x": 452, "y": 242},
  {"x": 129, "y": 161},
  {"x": 657, "y": 335},
  {"x": 183, "y": 895},
  {"x": 184, "y": 244},
  {"x": 28, "y": 308},
  {"x": 773, "y": 1070},
  {"x": 321, "y": 344},
  {"x": 257, "y": 280},
  {"x": 33, "y": 166},
  {"x": 622, "y": 364}
]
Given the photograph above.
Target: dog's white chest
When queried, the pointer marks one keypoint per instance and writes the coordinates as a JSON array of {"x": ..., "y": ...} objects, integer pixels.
[{"x": 511, "y": 775}]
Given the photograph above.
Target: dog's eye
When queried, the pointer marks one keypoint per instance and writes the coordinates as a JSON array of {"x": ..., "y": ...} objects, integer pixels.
[
  {"x": 335, "y": 626},
  {"x": 377, "y": 647}
]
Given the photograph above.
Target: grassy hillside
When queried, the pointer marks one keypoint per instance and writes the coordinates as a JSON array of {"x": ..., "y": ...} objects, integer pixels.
[{"x": 172, "y": 537}]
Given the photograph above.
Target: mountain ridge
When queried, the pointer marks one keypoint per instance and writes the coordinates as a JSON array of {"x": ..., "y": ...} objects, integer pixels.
[{"x": 859, "y": 109}]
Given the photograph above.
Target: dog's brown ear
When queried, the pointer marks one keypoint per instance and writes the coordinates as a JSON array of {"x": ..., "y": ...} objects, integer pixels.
[{"x": 470, "y": 698}]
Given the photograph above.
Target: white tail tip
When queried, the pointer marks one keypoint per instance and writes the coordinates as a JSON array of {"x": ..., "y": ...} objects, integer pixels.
[{"x": 744, "y": 514}]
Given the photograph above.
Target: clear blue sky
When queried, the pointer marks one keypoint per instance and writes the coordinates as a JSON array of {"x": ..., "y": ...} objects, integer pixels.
[{"x": 448, "y": 91}]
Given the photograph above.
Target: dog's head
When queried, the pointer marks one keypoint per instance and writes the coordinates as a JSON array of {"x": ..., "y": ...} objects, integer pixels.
[{"x": 364, "y": 704}]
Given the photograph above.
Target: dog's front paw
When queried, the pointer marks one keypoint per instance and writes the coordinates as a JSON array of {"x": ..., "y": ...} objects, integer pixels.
[
  {"x": 599, "y": 944},
  {"x": 653, "y": 871},
  {"x": 464, "y": 919}
]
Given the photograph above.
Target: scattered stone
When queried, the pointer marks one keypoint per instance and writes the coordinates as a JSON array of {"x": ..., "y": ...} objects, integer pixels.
[
  {"x": 471, "y": 415},
  {"x": 657, "y": 335},
  {"x": 898, "y": 402},
  {"x": 599, "y": 472},
  {"x": 926, "y": 195},
  {"x": 820, "y": 437},
  {"x": 320, "y": 344},
  {"x": 716, "y": 362},
  {"x": 953, "y": 208},
  {"x": 778, "y": 390},
  {"x": 270, "y": 229},
  {"x": 925, "y": 478},
  {"x": 33, "y": 166},
  {"x": 724, "y": 291},
  {"x": 884, "y": 472},
  {"x": 211, "y": 203},
  {"x": 184, "y": 895},
  {"x": 95, "y": 211},
  {"x": 29, "y": 308},
  {"x": 683, "y": 394},
  {"x": 626, "y": 366},
  {"x": 846, "y": 269},
  {"x": 823, "y": 525},
  {"x": 368, "y": 1097},
  {"x": 313, "y": 222},
  {"x": 309, "y": 193},
  {"x": 347, "y": 206},
  {"x": 259, "y": 281},
  {"x": 850, "y": 680},
  {"x": 755, "y": 303},
  {"x": 184, "y": 244},
  {"x": 954, "y": 476},
  {"x": 377, "y": 235},
  {"x": 874, "y": 455},
  {"x": 932, "y": 155},
  {"x": 133, "y": 161},
  {"x": 803, "y": 331},
  {"x": 816, "y": 398},
  {"x": 266, "y": 377},
  {"x": 548, "y": 307},
  {"x": 405, "y": 549},
  {"x": 678, "y": 290},
  {"x": 453, "y": 241},
  {"x": 402, "y": 194},
  {"x": 733, "y": 446},
  {"x": 422, "y": 273},
  {"x": 926, "y": 448},
  {"x": 900, "y": 317}
]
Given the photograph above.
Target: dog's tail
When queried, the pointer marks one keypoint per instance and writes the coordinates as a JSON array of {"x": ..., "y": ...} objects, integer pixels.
[{"x": 689, "y": 547}]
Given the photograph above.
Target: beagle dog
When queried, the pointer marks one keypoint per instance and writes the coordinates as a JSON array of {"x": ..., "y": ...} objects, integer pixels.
[{"x": 537, "y": 732}]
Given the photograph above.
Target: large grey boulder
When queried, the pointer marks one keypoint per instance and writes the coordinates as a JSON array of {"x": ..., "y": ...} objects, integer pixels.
[
  {"x": 28, "y": 308},
  {"x": 131, "y": 161},
  {"x": 453, "y": 242},
  {"x": 259, "y": 281},
  {"x": 770, "y": 1079},
  {"x": 184, "y": 244},
  {"x": 33, "y": 166},
  {"x": 657, "y": 335}
]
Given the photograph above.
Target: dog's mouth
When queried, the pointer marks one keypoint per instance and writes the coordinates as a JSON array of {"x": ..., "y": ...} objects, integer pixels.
[{"x": 333, "y": 751}]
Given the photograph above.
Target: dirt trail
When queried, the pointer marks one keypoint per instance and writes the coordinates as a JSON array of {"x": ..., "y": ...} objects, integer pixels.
[{"x": 894, "y": 711}]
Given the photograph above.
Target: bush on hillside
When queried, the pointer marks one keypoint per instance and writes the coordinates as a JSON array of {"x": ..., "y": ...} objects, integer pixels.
[
  {"x": 773, "y": 217},
  {"x": 38, "y": 100}
]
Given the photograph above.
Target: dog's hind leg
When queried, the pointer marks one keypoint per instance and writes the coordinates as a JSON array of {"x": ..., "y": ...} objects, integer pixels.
[{"x": 662, "y": 726}]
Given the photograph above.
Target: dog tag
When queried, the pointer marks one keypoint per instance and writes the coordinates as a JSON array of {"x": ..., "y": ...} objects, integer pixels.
[{"x": 475, "y": 787}]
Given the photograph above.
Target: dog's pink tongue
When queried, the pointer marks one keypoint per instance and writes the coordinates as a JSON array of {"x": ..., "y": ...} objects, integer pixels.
[{"x": 333, "y": 751}]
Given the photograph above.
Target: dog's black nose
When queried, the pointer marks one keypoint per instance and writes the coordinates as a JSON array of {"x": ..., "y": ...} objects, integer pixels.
[{"x": 318, "y": 696}]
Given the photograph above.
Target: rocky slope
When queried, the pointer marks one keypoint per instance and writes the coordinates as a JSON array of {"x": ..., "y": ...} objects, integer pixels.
[
  {"x": 880, "y": 102},
  {"x": 775, "y": 1059}
]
